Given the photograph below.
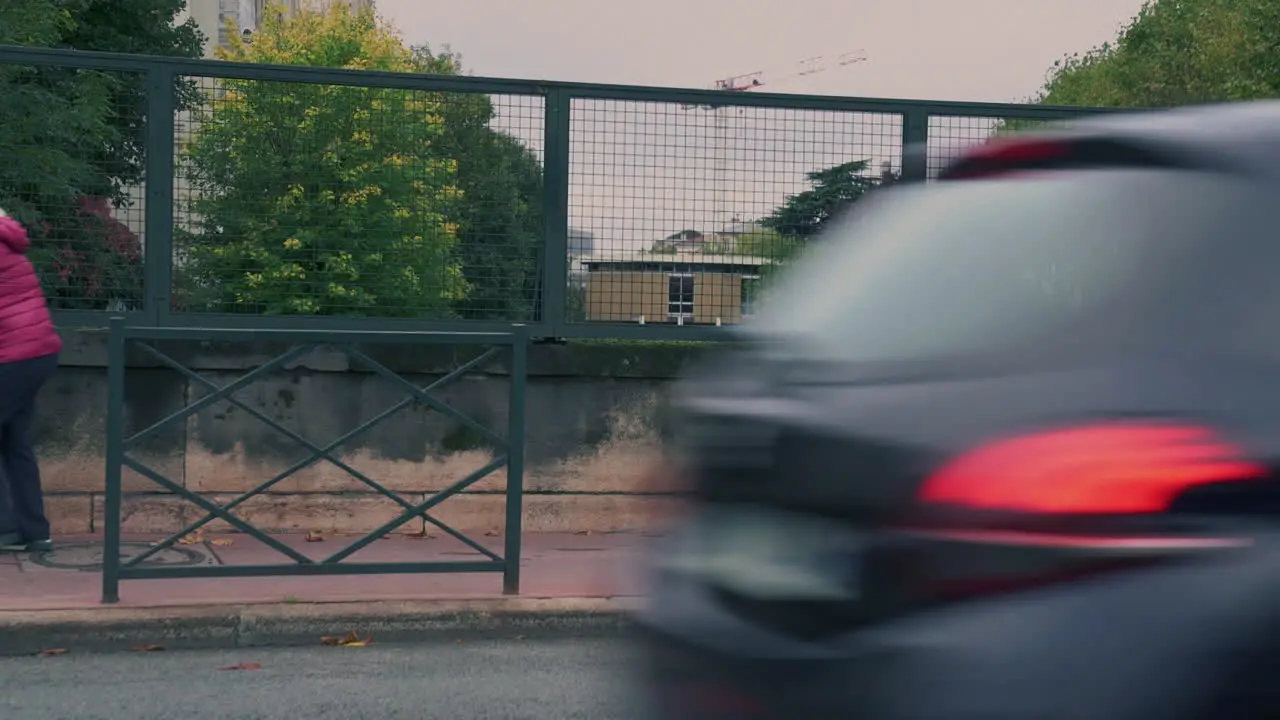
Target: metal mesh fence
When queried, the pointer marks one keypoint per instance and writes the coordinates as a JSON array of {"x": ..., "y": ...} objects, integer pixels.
[
  {"x": 315, "y": 199},
  {"x": 679, "y": 212},
  {"x": 74, "y": 149},
  {"x": 360, "y": 200}
]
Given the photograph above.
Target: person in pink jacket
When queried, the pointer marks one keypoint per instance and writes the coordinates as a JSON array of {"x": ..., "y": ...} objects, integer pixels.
[{"x": 29, "y": 348}]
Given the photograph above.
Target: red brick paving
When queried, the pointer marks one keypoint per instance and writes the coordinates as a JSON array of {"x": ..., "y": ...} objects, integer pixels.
[{"x": 552, "y": 565}]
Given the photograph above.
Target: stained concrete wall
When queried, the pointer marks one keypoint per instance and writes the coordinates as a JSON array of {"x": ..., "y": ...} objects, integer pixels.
[{"x": 594, "y": 413}]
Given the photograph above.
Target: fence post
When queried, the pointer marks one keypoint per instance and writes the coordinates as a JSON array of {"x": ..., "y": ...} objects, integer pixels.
[
  {"x": 515, "y": 461},
  {"x": 555, "y": 211},
  {"x": 915, "y": 140},
  {"x": 158, "y": 251},
  {"x": 115, "y": 462}
]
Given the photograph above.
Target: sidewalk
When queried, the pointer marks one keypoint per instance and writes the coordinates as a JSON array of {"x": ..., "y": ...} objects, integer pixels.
[
  {"x": 48, "y": 600},
  {"x": 552, "y": 565}
]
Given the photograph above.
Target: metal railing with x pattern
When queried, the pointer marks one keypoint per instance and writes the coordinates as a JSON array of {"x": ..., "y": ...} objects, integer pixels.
[{"x": 509, "y": 453}]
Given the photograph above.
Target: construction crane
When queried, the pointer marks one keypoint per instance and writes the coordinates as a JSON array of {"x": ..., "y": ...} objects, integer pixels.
[
  {"x": 747, "y": 82},
  {"x": 780, "y": 76}
]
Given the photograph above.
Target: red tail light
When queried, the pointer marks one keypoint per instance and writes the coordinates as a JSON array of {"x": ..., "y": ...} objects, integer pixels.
[
  {"x": 1097, "y": 470},
  {"x": 1015, "y": 151},
  {"x": 1016, "y": 154},
  {"x": 1003, "y": 156}
]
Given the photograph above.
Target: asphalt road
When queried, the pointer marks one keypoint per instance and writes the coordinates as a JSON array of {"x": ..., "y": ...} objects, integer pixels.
[{"x": 487, "y": 680}]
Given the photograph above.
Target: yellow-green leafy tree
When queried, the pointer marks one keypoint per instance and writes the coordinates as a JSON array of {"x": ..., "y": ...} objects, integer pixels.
[
  {"x": 316, "y": 199},
  {"x": 1174, "y": 52},
  {"x": 1177, "y": 52}
]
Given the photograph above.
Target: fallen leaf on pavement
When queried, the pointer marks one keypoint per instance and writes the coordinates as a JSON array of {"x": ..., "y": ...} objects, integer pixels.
[
  {"x": 583, "y": 532},
  {"x": 492, "y": 533},
  {"x": 52, "y": 652},
  {"x": 243, "y": 666},
  {"x": 351, "y": 639},
  {"x": 194, "y": 538},
  {"x": 149, "y": 648},
  {"x": 314, "y": 536},
  {"x": 222, "y": 542}
]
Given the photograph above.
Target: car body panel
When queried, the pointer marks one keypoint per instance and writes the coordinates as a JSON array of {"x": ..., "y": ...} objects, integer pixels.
[
  {"x": 1110, "y": 649},
  {"x": 786, "y": 423}
]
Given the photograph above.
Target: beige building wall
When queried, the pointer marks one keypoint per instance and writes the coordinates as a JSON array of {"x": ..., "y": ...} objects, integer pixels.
[
  {"x": 717, "y": 296},
  {"x": 626, "y": 295},
  {"x": 206, "y": 14}
]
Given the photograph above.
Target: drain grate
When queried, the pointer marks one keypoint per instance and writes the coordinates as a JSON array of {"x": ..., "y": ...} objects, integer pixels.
[{"x": 88, "y": 556}]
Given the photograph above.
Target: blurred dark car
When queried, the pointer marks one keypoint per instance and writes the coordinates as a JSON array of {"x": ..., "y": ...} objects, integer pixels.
[{"x": 1003, "y": 445}]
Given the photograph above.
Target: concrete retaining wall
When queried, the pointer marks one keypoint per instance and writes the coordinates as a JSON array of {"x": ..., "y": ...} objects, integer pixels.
[{"x": 594, "y": 413}]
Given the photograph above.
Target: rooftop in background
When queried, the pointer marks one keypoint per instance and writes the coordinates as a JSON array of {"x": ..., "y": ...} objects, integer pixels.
[
  {"x": 741, "y": 227},
  {"x": 685, "y": 258}
]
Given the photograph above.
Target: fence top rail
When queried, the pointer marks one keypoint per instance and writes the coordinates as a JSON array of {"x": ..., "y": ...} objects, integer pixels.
[
  {"x": 371, "y": 337},
  {"x": 122, "y": 62}
]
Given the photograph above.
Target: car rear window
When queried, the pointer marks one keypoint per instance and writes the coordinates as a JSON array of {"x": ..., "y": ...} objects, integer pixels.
[{"x": 956, "y": 269}]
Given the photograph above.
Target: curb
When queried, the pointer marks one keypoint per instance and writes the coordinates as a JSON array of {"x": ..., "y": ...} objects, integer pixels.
[{"x": 295, "y": 624}]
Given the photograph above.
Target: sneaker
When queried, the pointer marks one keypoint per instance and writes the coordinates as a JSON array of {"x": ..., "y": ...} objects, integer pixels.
[
  {"x": 21, "y": 545},
  {"x": 7, "y": 539}
]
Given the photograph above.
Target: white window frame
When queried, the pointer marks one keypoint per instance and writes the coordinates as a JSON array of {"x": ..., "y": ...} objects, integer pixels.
[
  {"x": 680, "y": 309},
  {"x": 743, "y": 304}
]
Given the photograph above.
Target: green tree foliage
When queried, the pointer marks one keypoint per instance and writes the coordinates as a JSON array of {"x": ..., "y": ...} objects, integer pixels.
[
  {"x": 477, "y": 256},
  {"x": 1173, "y": 52},
  {"x": 499, "y": 213},
  {"x": 74, "y": 140},
  {"x": 1177, "y": 52},
  {"x": 499, "y": 227},
  {"x": 805, "y": 214},
  {"x": 322, "y": 199},
  {"x": 143, "y": 27},
  {"x": 768, "y": 243}
]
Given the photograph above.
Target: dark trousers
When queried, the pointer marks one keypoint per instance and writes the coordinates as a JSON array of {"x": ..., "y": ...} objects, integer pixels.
[{"x": 22, "y": 506}]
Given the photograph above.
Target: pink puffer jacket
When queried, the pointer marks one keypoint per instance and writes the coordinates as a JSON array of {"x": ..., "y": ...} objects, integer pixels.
[{"x": 26, "y": 331}]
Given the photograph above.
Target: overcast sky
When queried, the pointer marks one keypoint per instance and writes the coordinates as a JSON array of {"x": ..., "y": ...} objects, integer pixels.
[
  {"x": 994, "y": 50},
  {"x": 988, "y": 50}
]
